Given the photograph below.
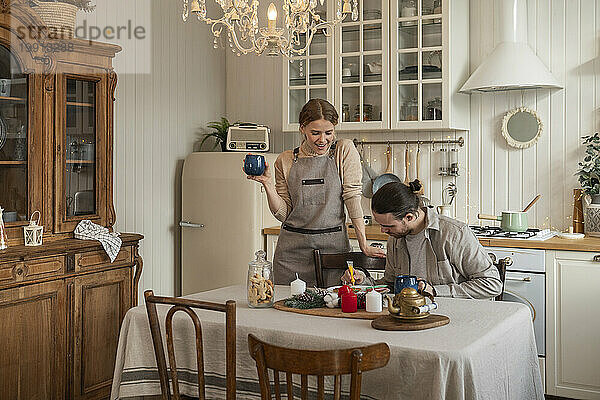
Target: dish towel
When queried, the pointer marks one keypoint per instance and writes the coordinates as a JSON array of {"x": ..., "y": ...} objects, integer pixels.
[{"x": 87, "y": 230}]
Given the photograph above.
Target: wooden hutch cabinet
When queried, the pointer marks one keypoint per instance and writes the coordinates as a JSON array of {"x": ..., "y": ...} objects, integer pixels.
[{"x": 61, "y": 303}]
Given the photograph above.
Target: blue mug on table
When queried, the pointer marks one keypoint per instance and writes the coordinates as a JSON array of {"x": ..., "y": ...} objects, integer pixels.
[
  {"x": 404, "y": 281},
  {"x": 254, "y": 164}
]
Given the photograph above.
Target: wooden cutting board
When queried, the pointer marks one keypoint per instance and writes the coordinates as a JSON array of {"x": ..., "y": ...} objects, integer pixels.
[
  {"x": 331, "y": 312},
  {"x": 389, "y": 323}
]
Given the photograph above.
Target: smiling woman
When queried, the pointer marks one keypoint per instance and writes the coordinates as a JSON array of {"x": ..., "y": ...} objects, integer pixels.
[{"x": 312, "y": 185}]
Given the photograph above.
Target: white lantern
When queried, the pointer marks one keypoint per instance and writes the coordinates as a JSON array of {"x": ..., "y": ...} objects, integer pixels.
[{"x": 33, "y": 232}]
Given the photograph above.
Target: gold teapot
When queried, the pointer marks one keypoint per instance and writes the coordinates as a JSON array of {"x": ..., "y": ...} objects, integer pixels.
[{"x": 403, "y": 305}]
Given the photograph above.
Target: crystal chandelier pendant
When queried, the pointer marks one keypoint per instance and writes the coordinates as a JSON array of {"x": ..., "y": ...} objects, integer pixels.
[{"x": 245, "y": 35}]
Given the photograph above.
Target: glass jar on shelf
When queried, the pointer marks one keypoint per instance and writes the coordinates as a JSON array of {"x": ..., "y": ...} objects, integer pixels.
[
  {"x": 434, "y": 109},
  {"x": 367, "y": 112},
  {"x": 408, "y": 8},
  {"x": 345, "y": 112},
  {"x": 261, "y": 289},
  {"x": 409, "y": 110}
]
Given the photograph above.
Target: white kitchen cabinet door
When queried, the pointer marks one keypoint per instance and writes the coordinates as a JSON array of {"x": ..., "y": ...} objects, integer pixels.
[
  {"x": 362, "y": 68},
  {"x": 309, "y": 75},
  {"x": 573, "y": 324},
  {"x": 429, "y": 60}
]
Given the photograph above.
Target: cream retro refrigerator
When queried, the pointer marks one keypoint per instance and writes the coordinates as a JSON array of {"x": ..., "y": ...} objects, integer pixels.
[{"x": 222, "y": 217}]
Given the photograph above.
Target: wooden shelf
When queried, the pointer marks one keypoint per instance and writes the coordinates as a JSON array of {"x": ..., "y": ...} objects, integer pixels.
[
  {"x": 13, "y": 162},
  {"x": 8, "y": 98},
  {"x": 80, "y": 161},
  {"x": 76, "y": 104}
]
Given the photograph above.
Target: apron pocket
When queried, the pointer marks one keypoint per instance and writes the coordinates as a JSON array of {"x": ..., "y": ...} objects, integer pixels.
[{"x": 313, "y": 192}]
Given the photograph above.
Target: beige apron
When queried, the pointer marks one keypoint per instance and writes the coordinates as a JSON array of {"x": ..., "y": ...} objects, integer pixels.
[{"x": 317, "y": 220}]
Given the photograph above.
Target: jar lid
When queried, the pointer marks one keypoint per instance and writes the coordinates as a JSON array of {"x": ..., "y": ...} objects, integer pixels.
[{"x": 260, "y": 260}]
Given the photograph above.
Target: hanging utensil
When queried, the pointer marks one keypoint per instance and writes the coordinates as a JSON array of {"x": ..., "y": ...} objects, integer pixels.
[
  {"x": 418, "y": 162},
  {"x": 368, "y": 176},
  {"x": 406, "y": 165},
  {"x": 388, "y": 176},
  {"x": 532, "y": 203}
]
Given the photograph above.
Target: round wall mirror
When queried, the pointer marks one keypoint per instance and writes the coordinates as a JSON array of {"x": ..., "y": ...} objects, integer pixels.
[{"x": 521, "y": 127}]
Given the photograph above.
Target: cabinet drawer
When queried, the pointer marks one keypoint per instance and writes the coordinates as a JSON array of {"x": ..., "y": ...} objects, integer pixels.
[
  {"x": 41, "y": 267},
  {"x": 31, "y": 269},
  {"x": 99, "y": 258},
  {"x": 8, "y": 271}
]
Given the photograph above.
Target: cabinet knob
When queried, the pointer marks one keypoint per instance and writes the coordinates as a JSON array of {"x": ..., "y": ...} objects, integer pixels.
[
  {"x": 19, "y": 271},
  {"x": 597, "y": 258}
]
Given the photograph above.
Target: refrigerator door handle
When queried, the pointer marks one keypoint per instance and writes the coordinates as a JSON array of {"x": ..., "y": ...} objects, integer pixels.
[{"x": 188, "y": 224}]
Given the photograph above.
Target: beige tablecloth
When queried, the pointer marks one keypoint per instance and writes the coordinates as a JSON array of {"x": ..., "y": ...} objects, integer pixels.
[{"x": 486, "y": 352}]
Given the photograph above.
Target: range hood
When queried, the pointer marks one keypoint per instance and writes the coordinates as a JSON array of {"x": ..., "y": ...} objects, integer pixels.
[{"x": 512, "y": 64}]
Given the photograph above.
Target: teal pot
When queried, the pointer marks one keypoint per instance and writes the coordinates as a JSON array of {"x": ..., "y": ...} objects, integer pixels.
[
  {"x": 595, "y": 198},
  {"x": 510, "y": 221}
]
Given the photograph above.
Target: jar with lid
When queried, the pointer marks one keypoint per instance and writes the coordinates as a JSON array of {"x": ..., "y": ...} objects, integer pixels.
[
  {"x": 261, "y": 289},
  {"x": 345, "y": 112},
  {"x": 367, "y": 112},
  {"x": 409, "y": 110}
]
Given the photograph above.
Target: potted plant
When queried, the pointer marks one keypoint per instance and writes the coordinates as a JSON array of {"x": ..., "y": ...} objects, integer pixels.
[
  {"x": 219, "y": 132},
  {"x": 60, "y": 15},
  {"x": 589, "y": 168}
]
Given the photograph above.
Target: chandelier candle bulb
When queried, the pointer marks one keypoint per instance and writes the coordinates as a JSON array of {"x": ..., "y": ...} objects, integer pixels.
[
  {"x": 272, "y": 18},
  {"x": 298, "y": 286},
  {"x": 373, "y": 301}
]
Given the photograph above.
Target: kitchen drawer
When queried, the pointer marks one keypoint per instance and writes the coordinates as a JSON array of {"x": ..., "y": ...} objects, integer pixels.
[
  {"x": 99, "y": 258},
  {"x": 8, "y": 271},
  {"x": 20, "y": 271}
]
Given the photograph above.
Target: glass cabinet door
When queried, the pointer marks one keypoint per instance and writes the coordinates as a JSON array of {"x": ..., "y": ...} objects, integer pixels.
[
  {"x": 80, "y": 191},
  {"x": 14, "y": 171},
  {"x": 418, "y": 61},
  {"x": 362, "y": 67},
  {"x": 307, "y": 76}
]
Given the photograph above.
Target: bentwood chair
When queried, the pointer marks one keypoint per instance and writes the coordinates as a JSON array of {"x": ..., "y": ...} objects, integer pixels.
[
  {"x": 188, "y": 306},
  {"x": 501, "y": 265},
  {"x": 338, "y": 261},
  {"x": 319, "y": 363}
]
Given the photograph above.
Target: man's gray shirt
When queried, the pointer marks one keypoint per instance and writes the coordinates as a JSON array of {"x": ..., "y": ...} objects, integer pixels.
[{"x": 456, "y": 263}]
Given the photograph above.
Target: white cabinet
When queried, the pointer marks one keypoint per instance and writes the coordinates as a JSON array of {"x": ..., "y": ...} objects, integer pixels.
[
  {"x": 399, "y": 66},
  {"x": 308, "y": 76},
  {"x": 429, "y": 63},
  {"x": 362, "y": 68},
  {"x": 573, "y": 324}
]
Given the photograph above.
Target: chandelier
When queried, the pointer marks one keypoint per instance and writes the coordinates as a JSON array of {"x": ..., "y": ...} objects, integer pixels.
[{"x": 240, "y": 22}]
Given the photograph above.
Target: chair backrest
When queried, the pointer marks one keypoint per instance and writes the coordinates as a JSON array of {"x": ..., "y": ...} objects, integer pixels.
[
  {"x": 338, "y": 261},
  {"x": 501, "y": 265},
  {"x": 188, "y": 306},
  {"x": 319, "y": 363}
]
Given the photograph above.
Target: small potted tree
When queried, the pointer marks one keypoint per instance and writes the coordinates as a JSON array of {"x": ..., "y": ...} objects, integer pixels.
[
  {"x": 219, "y": 133},
  {"x": 60, "y": 15},
  {"x": 589, "y": 178}
]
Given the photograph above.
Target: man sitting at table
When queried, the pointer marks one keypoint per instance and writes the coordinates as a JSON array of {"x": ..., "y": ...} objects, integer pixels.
[{"x": 433, "y": 247}]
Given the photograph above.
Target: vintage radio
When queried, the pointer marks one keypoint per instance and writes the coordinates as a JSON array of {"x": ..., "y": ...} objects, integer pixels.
[{"x": 248, "y": 137}]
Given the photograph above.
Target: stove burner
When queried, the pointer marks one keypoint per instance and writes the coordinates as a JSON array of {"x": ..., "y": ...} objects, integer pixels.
[{"x": 496, "y": 231}]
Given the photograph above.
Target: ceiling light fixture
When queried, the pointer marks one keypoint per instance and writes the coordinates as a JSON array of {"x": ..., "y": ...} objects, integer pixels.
[{"x": 240, "y": 22}]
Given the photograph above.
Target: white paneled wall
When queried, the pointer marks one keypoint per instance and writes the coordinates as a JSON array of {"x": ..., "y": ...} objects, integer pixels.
[
  {"x": 566, "y": 36},
  {"x": 158, "y": 118}
]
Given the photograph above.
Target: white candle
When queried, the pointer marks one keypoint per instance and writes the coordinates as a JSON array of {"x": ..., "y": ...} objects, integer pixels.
[
  {"x": 298, "y": 286},
  {"x": 373, "y": 299}
]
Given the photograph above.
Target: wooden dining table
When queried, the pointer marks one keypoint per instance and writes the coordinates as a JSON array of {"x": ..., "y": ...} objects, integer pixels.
[{"x": 487, "y": 351}]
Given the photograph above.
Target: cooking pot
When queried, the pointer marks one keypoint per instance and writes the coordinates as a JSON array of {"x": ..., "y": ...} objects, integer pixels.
[
  {"x": 388, "y": 176},
  {"x": 510, "y": 221}
]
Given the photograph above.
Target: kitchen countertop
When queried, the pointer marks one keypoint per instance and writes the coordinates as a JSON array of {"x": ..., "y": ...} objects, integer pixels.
[{"x": 588, "y": 243}]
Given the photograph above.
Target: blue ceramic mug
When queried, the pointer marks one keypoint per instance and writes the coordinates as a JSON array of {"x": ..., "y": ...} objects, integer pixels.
[
  {"x": 404, "y": 281},
  {"x": 254, "y": 164}
]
